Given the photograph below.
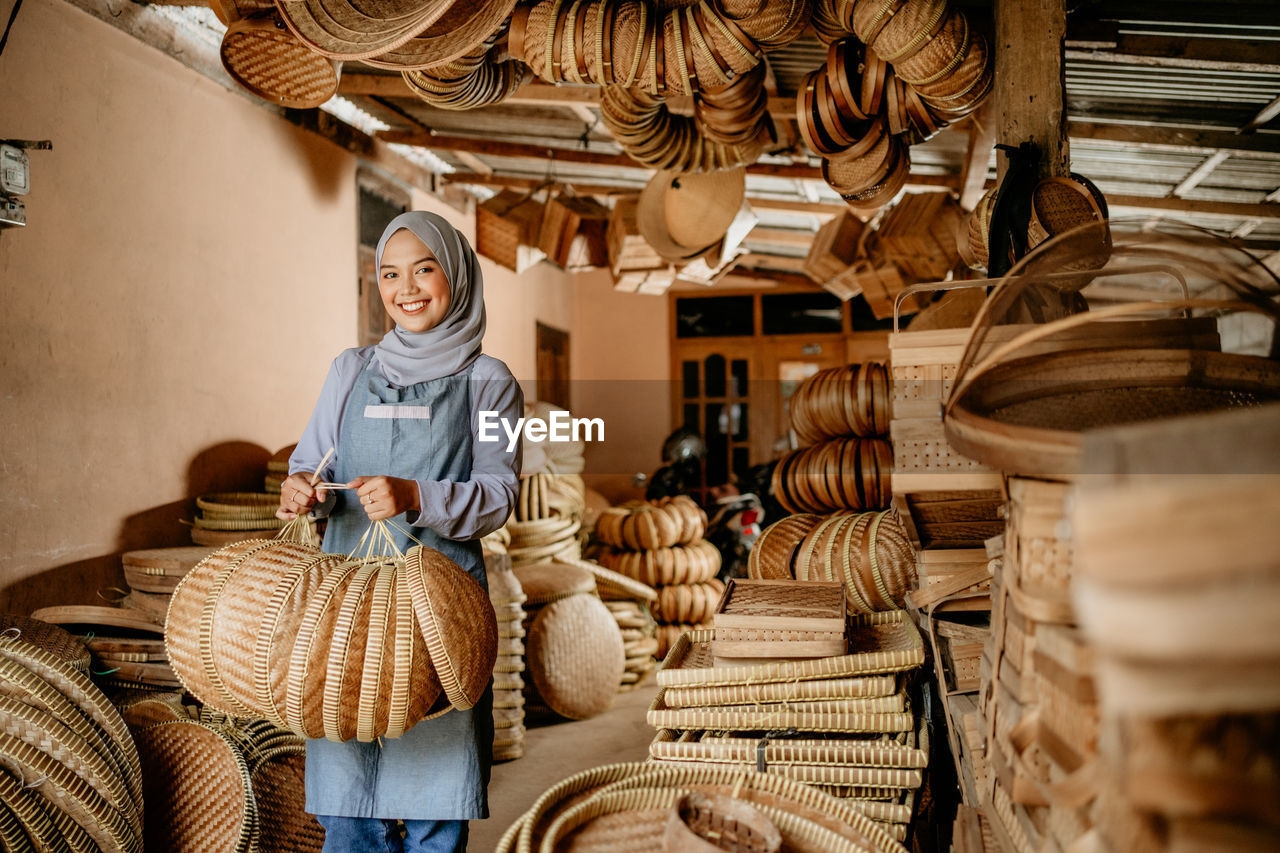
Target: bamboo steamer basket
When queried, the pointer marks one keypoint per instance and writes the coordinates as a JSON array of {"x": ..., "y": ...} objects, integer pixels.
[
  {"x": 688, "y": 603},
  {"x": 842, "y": 401}
]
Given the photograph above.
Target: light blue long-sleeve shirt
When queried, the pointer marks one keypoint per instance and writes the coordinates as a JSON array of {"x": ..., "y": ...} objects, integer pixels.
[{"x": 456, "y": 510}]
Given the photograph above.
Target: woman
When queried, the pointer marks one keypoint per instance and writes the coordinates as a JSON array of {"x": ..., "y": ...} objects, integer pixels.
[{"x": 402, "y": 415}]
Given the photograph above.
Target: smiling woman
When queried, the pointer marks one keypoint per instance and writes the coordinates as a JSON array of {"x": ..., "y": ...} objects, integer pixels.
[{"x": 414, "y": 287}]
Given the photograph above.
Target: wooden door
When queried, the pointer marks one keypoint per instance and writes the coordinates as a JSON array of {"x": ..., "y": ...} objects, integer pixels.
[
  {"x": 715, "y": 394},
  {"x": 553, "y": 366}
]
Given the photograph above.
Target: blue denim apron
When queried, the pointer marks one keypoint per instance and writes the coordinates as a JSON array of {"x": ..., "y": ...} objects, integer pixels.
[{"x": 439, "y": 769}]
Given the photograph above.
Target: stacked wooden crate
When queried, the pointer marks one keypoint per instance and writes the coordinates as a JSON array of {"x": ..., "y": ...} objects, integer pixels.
[
  {"x": 636, "y": 267},
  {"x": 1178, "y": 586},
  {"x": 918, "y": 235},
  {"x": 1037, "y": 713},
  {"x": 507, "y": 229},
  {"x": 834, "y": 247},
  {"x": 572, "y": 234}
]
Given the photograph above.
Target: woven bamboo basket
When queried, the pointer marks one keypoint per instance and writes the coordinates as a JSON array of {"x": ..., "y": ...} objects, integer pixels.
[
  {"x": 773, "y": 551},
  {"x": 575, "y": 656},
  {"x": 844, "y": 820},
  {"x": 842, "y": 473},
  {"x": 344, "y": 648},
  {"x": 706, "y": 822},
  {"x": 842, "y": 401},
  {"x": 507, "y": 227},
  {"x": 697, "y": 562},
  {"x": 649, "y": 526},
  {"x": 869, "y": 553},
  {"x": 48, "y": 637},
  {"x": 264, "y": 57}
]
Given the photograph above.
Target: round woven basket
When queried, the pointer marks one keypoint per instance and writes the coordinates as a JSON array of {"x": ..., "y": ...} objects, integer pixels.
[
  {"x": 696, "y": 562},
  {"x": 461, "y": 30},
  {"x": 198, "y": 791},
  {"x": 575, "y": 656},
  {"x": 457, "y": 622},
  {"x": 701, "y": 823},
  {"x": 159, "y": 570},
  {"x": 56, "y": 641},
  {"x": 548, "y": 582},
  {"x": 774, "y": 549},
  {"x": 688, "y": 603},
  {"x": 343, "y": 30}
]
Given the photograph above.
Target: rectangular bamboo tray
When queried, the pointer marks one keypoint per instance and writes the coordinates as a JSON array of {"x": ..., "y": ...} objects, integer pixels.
[{"x": 779, "y": 619}]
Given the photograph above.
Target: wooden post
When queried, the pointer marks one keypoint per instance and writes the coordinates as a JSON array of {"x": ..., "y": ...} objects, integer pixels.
[{"x": 1030, "y": 90}]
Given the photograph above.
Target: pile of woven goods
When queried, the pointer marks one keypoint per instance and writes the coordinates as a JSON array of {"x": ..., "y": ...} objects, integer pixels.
[{"x": 660, "y": 543}]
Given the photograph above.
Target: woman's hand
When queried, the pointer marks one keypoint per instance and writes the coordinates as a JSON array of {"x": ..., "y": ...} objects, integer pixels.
[
  {"x": 384, "y": 497},
  {"x": 297, "y": 496}
]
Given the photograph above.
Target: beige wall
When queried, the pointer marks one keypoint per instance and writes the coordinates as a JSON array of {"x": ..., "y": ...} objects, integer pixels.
[
  {"x": 621, "y": 365},
  {"x": 187, "y": 275}
]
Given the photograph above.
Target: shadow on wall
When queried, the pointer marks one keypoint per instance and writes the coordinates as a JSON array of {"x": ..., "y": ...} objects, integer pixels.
[{"x": 233, "y": 466}]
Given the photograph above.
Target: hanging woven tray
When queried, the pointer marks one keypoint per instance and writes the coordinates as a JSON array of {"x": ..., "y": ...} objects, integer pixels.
[{"x": 881, "y": 643}]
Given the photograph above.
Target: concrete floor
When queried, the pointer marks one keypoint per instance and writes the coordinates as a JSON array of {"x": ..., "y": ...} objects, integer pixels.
[{"x": 555, "y": 752}]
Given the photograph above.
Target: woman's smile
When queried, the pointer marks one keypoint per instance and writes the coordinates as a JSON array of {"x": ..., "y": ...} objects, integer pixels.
[{"x": 414, "y": 307}]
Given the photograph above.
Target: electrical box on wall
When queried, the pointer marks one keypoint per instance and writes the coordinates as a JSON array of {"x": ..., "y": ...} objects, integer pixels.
[
  {"x": 15, "y": 170},
  {"x": 15, "y": 178}
]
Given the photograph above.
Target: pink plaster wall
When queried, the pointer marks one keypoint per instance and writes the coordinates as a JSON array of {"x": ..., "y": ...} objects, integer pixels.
[{"x": 188, "y": 274}]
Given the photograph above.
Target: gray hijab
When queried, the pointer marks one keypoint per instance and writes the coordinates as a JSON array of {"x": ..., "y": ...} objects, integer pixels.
[{"x": 411, "y": 357}]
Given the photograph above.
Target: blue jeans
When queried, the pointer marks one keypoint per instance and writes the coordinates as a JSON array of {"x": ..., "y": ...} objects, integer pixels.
[{"x": 374, "y": 835}]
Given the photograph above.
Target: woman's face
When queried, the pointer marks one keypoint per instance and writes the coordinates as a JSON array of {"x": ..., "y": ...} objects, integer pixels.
[{"x": 414, "y": 288}]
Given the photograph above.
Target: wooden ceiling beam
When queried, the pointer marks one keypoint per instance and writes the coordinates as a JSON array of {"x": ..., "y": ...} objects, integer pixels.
[
  {"x": 1217, "y": 209},
  {"x": 821, "y": 210},
  {"x": 496, "y": 148},
  {"x": 1149, "y": 137},
  {"x": 1029, "y": 91},
  {"x": 1199, "y": 173}
]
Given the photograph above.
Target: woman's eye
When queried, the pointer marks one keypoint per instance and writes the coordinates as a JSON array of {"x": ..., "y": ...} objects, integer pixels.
[
  {"x": 424, "y": 270},
  {"x": 388, "y": 275}
]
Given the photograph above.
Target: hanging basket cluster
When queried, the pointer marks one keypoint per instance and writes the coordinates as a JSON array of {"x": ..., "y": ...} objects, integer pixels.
[{"x": 897, "y": 71}]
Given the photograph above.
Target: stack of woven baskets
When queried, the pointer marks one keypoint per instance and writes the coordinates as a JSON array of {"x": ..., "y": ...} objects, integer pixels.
[
  {"x": 638, "y": 806},
  {"x": 843, "y": 414},
  {"x": 126, "y": 642},
  {"x": 508, "y": 600},
  {"x": 69, "y": 772},
  {"x": 547, "y": 519},
  {"x": 277, "y": 469},
  {"x": 217, "y": 784},
  {"x": 630, "y": 602},
  {"x": 914, "y": 66},
  {"x": 226, "y": 517},
  {"x": 330, "y": 646},
  {"x": 573, "y": 649},
  {"x": 660, "y": 543},
  {"x": 853, "y": 733}
]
